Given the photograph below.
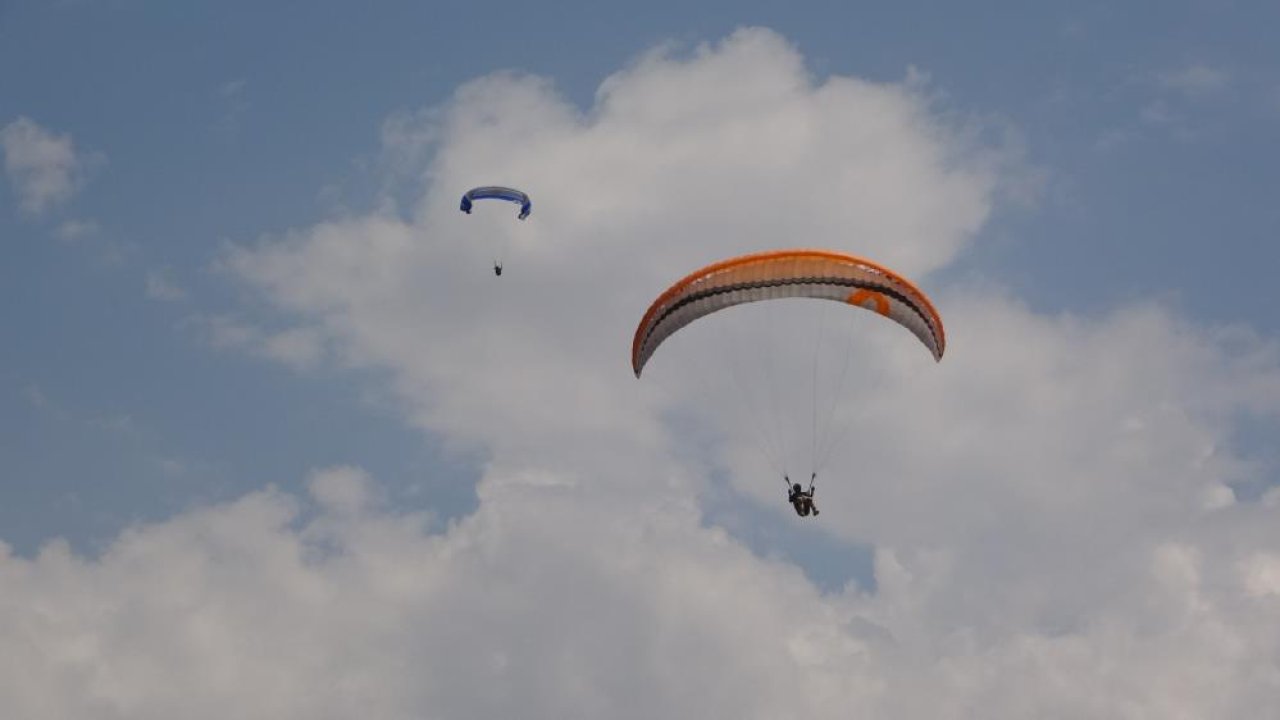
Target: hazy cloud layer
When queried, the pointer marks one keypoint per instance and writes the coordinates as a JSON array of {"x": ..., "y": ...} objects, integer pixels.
[
  {"x": 162, "y": 286},
  {"x": 1195, "y": 80},
  {"x": 1054, "y": 507},
  {"x": 42, "y": 166},
  {"x": 301, "y": 348}
]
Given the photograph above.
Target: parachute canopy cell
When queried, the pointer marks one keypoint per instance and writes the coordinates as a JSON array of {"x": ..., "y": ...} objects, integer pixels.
[
  {"x": 497, "y": 193},
  {"x": 822, "y": 274}
]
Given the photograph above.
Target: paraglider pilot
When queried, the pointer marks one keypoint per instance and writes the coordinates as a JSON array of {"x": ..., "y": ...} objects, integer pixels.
[{"x": 801, "y": 499}]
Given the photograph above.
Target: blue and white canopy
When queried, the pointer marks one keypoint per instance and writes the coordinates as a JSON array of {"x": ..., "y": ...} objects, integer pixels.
[{"x": 497, "y": 193}]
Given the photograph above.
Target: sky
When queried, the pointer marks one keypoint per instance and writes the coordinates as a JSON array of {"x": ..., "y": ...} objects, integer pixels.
[{"x": 275, "y": 442}]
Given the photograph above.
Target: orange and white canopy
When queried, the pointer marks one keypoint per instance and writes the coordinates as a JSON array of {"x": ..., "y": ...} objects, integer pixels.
[{"x": 822, "y": 274}]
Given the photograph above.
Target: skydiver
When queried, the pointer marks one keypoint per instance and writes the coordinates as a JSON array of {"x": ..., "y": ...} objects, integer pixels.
[
  {"x": 801, "y": 499},
  {"x": 497, "y": 268}
]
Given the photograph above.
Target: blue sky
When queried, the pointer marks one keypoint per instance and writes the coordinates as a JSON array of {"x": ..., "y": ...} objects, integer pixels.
[
  {"x": 215, "y": 123},
  {"x": 1127, "y": 160}
]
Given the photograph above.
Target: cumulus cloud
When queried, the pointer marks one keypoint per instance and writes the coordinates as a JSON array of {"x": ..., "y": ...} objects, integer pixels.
[
  {"x": 1052, "y": 508},
  {"x": 562, "y": 602},
  {"x": 42, "y": 166},
  {"x": 679, "y": 163},
  {"x": 330, "y": 607},
  {"x": 1049, "y": 457}
]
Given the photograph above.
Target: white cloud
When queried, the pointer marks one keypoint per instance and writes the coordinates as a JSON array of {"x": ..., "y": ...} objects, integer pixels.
[
  {"x": 42, "y": 166},
  {"x": 1049, "y": 505},
  {"x": 678, "y": 164},
  {"x": 244, "y": 610},
  {"x": 572, "y": 602},
  {"x": 1044, "y": 461}
]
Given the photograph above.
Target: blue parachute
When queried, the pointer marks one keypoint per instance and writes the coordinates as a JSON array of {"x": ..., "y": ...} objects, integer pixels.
[{"x": 497, "y": 193}]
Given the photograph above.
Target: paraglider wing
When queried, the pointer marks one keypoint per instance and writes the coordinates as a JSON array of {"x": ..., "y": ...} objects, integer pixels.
[
  {"x": 497, "y": 193},
  {"x": 822, "y": 274}
]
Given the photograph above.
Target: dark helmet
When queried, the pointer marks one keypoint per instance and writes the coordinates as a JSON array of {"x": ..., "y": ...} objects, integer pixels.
[{"x": 795, "y": 488}]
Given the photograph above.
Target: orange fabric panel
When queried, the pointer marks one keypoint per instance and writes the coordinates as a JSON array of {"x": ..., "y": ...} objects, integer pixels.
[{"x": 789, "y": 263}]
